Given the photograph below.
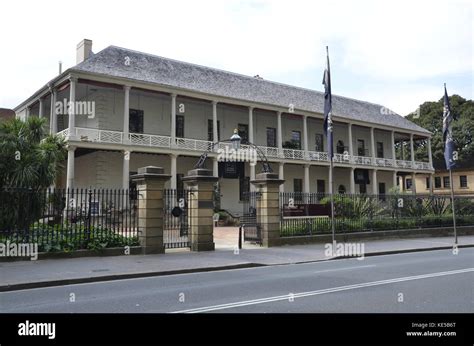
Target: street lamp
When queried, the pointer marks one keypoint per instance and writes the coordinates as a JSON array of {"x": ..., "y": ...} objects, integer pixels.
[{"x": 236, "y": 139}]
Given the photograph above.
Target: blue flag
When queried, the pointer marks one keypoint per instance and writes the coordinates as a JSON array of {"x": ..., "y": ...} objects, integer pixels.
[
  {"x": 328, "y": 107},
  {"x": 448, "y": 132}
]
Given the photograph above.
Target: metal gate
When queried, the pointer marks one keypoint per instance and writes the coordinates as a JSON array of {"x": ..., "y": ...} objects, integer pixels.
[
  {"x": 176, "y": 218},
  {"x": 249, "y": 220}
]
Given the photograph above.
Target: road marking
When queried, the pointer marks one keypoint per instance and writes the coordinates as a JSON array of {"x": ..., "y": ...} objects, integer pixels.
[
  {"x": 323, "y": 291},
  {"x": 347, "y": 268}
]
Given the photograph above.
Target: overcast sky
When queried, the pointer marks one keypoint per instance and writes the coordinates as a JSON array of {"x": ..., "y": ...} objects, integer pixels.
[{"x": 395, "y": 53}]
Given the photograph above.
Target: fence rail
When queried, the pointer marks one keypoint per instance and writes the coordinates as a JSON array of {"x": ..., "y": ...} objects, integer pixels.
[
  {"x": 69, "y": 219},
  {"x": 309, "y": 213}
]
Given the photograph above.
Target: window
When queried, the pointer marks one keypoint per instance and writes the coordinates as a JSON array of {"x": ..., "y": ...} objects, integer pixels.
[
  {"x": 408, "y": 183},
  {"x": 382, "y": 191},
  {"x": 244, "y": 187},
  {"x": 243, "y": 132},
  {"x": 428, "y": 183},
  {"x": 271, "y": 137},
  {"x": 135, "y": 121},
  {"x": 341, "y": 189},
  {"x": 210, "y": 130},
  {"x": 380, "y": 149},
  {"x": 320, "y": 186},
  {"x": 319, "y": 143},
  {"x": 446, "y": 182},
  {"x": 296, "y": 138},
  {"x": 340, "y": 147},
  {"x": 363, "y": 189},
  {"x": 298, "y": 185},
  {"x": 180, "y": 126},
  {"x": 437, "y": 182},
  {"x": 360, "y": 147},
  {"x": 463, "y": 181}
]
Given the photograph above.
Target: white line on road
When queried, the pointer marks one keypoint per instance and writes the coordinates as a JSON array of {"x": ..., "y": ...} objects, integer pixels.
[
  {"x": 347, "y": 268},
  {"x": 323, "y": 291}
]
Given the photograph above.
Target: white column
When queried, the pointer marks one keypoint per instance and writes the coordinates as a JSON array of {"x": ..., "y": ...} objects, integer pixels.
[
  {"x": 412, "y": 149},
  {"x": 53, "y": 116},
  {"x": 251, "y": 138},
  {"x": 430, "y": 158},
  {"x": 305, "y": 133},
  {"x": 41, "y": 105},
  {"x": 279, "y": 133},
  {"x": 173, "y": 171},
  {"x": 306, "y": 179},
  {"x": 281, "y": 175},
  {"x": 352, "y": 187},
  {"x": 72, "y": 106},
  {"x": 27, "y": 112},
  {"x": 173, "y": 120},
  {"x": 372, "y": 144},
  {"x": 215, "y": 167},
  {"x": 394, "y": 155},
  {"x": 375, "y": 187},
  {"x": 126, "y": 113},
  {"x": 395, "y": 178},
  {"x": 70, "y": 167},
  {"x": 215, "y": 133},
  {"x": 126, "y": 169},
  {"x": 351, "y": 146}
]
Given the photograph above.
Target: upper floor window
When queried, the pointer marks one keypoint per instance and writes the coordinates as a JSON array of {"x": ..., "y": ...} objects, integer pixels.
[
  {"x": 243, "y": 130},
  {"x": 319, "y": 143},
  {"x": 437, "y": 182},
  {"x": 361, "y": 147},
  {"x": 340, "y": 148},
  {"x": 180, "y": 126},
  {"x": 135, "y": 121},
  {"x": 271, "y": 137},
  {"x": 446, "y": 182},
  {"x": 463, "y": 181},
  {"x": 296, "y": 138},
  {"x": 380, "y": 149},
  {"x": 210, "y": 130}
]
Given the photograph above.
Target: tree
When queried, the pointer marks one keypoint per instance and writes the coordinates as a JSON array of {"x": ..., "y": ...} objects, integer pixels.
[
  {"x": 431, "y": 118},
  {"x": 28, "y": 157}
]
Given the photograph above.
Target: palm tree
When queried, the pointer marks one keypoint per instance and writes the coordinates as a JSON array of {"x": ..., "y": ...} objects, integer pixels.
[
  {"x": 30, "y": 161},
  {"x": 28, "y": 157}
]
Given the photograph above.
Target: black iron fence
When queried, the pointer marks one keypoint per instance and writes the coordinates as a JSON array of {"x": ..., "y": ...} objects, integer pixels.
[
  {"x": 69, "y": 219},
  {"x": 249, "y": 220},
  {"x": 176, "y": 218},
  {"x": 309, "y": 213}
]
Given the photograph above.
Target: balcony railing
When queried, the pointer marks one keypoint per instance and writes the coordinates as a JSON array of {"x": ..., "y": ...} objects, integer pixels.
[{"x": 158, "y": 141}]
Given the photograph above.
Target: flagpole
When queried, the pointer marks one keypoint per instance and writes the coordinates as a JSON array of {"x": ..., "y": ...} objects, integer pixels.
[
  {"x": 452, "y": 206},
  {"x": 331, "y": 187}
]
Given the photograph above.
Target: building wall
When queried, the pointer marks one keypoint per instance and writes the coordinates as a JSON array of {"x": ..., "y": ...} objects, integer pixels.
[{"x": 421, "y": 182}]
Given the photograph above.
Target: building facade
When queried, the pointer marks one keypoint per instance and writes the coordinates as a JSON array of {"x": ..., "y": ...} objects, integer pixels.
[
  {"x": 463, "y": 180},
  {"x": 133, "y": 109}
]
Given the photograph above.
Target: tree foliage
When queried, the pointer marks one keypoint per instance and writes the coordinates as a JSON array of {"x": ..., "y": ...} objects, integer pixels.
[
  {"x": 28, "y": 157},
  {"x": 431, "y": 118}
]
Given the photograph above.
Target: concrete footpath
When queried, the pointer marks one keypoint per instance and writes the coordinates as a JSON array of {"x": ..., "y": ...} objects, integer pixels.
[{"x": 55, "y": 272}]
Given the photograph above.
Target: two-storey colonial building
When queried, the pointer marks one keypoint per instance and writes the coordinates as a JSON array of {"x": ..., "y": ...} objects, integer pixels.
[{"x": 136, "y": 109}]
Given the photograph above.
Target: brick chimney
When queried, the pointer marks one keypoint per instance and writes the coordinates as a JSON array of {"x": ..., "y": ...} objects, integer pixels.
[{"x": 83, "y": 50}]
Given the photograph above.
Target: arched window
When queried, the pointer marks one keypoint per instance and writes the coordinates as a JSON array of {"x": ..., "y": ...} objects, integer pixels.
[
  {"x": 341, "y": 189},
  {"x": 340, "y": 147}
]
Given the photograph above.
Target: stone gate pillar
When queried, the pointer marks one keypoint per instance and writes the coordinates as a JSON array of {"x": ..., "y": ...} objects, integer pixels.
[
  {"x": 268, "y": 207},
  {"x": 201, "y": 208},
  {"x": 150, "y": 185}
]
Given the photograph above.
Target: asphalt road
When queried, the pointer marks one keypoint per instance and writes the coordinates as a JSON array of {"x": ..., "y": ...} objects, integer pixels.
[{"x": 432, "y": 281}]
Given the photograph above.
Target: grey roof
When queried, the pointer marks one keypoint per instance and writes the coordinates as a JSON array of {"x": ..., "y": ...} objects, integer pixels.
[{"x": 178, "y": 74}]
